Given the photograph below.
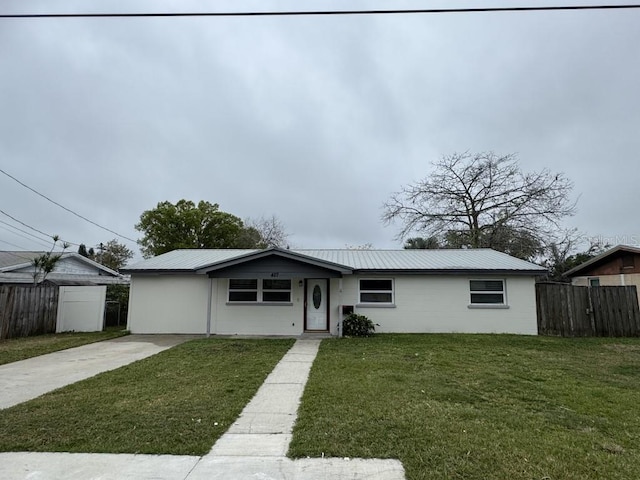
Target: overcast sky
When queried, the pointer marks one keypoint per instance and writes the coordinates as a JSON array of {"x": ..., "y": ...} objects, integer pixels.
[{"x": 316, "y": 120}]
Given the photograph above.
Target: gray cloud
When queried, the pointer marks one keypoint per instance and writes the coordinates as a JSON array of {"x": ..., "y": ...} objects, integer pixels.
[{"x": 315, "y": 120}]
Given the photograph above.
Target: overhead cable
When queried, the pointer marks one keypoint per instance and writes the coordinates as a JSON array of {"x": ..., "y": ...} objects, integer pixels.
[
  {"x": 292, "y": 13},
  {"x": 35, "y": 229},
  {"x": 65, "y": 208}
]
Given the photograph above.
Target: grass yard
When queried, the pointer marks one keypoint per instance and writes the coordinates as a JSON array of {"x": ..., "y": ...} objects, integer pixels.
[
  {"x": 477, "y": 406},
  {"x": 15, "y": 349},
  {"x": 179, "y": 401}
]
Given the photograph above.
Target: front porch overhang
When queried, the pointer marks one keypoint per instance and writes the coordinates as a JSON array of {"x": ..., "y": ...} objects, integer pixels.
[{"x": 275, "y": 263}]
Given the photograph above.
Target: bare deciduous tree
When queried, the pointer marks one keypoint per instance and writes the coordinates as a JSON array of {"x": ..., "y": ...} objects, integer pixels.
[
  {"x": 480, "y": 199},
  {"x": 562, "y": 254},
  {"x": 271, "y": 231}
]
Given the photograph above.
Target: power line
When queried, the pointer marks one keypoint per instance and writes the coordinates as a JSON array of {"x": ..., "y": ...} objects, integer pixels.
[
  {"x": 35, "y": 238},
  {"x": 33, "y": 228},
  {"x": 21, "y": 230},
  {"x": 17, "y": 246},
  {"x": 322, "y": 12},
  {"x": 65, "y": 208}
]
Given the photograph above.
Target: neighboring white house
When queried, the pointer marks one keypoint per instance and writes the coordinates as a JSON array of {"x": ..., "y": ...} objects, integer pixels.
[
  {"x": 16, "y": 268},
  {"x": 291, "y": 292}
]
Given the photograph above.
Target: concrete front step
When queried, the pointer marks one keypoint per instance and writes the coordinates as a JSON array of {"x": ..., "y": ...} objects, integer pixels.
[{"x": 313, "y": 335}]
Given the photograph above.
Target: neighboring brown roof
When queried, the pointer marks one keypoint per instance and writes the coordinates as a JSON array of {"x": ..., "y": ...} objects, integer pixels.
[{"x": 602, "y": 258}]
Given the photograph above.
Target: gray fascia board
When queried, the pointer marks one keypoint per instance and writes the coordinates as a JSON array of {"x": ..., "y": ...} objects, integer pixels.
[{"x": 157, "y": 271}]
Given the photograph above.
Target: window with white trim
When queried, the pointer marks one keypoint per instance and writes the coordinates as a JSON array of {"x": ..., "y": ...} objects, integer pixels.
[
  {"x": 487, "y": 292},
  {"x": 276, "y": 290},
  {"x": 376, "y": 290},
  {"x": 243, "y": 290},
  {"x": 251, "y": 290}
]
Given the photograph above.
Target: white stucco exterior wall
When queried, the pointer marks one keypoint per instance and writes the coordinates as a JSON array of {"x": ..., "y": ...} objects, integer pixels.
[
  {"x": 257, "y": 318},
  {"x": 440, "y": 303},
  {"x": 168, "y": 304},
  {"x": 423, "y": 304}
]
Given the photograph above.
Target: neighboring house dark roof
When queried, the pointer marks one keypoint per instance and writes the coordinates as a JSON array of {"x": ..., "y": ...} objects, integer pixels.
[
  {"x": 346, "y": 261},
  {"x": 600, "y": 259}
]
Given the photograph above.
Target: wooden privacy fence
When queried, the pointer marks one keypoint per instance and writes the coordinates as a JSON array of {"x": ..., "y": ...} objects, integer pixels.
[
  {"x": 572, "y": 311},
  {"x": 26, "y": 311}
]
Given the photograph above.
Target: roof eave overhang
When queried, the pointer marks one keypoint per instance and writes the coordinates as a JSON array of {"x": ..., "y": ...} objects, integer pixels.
[
  {"x": 17, "y": 266},
  {"x": 149, "y": 271},
  {"x": 342, "y": 269}
]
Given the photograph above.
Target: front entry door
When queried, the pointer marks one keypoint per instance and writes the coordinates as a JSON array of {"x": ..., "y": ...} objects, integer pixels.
[{"x": 316, "y": 313}]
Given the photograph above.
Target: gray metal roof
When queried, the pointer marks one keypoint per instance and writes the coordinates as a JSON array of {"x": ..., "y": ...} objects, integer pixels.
[
  {"x": 27, "y": 278},
  {"x": 10, "y": 261},
  {"x": 441, "y": 259},
  {"x": 365, "y": 260},
  {"x": 187, "y": 260}
]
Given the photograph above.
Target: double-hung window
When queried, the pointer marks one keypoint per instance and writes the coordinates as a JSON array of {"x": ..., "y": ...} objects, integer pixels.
[
  {"x": 251, "y": 290},
  {"x": 487, "y": 292},
  {"x": 376, "y": 291}
]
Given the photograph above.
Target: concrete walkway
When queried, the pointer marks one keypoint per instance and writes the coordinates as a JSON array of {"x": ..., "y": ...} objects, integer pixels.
[
  {"x": 28, "y": 379},
  {"x": 254, "y": 447}
]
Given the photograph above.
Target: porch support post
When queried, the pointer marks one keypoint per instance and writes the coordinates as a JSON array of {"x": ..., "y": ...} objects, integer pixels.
[{"x": 209, "y": 299}]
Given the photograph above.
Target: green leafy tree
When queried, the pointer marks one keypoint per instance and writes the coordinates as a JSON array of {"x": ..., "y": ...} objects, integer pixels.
[
  {"x": 422, "y": 243},
  {"x": 113, "y": 254},
  {"x": 82, "y": 250},
  {"x": 484, "y": 200},
  {"x": 187, "y": 225}
]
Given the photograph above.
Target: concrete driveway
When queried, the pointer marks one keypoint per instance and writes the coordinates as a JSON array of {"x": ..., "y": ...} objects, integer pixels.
[{"x": 27, "y": 379}]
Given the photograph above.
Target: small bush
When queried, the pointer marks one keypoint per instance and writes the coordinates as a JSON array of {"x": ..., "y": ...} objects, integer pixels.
[{"x": 355, "y": 325}]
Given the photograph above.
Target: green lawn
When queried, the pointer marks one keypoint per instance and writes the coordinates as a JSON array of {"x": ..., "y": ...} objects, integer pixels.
[
  {"x": 15, "y": 349},
  {"x": 477, "y": 406},
  {"x": 179, "y": 401}
]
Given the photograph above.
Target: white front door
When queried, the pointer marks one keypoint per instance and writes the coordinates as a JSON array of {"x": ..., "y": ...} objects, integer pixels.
[{"x": 317, "y": 304}]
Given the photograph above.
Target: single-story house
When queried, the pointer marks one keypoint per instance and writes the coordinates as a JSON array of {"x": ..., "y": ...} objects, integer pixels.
[
  {"x": 292, "y": 292},
  {"x": 619, "y": 266},
  {"x": 16, "y": 268}
]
